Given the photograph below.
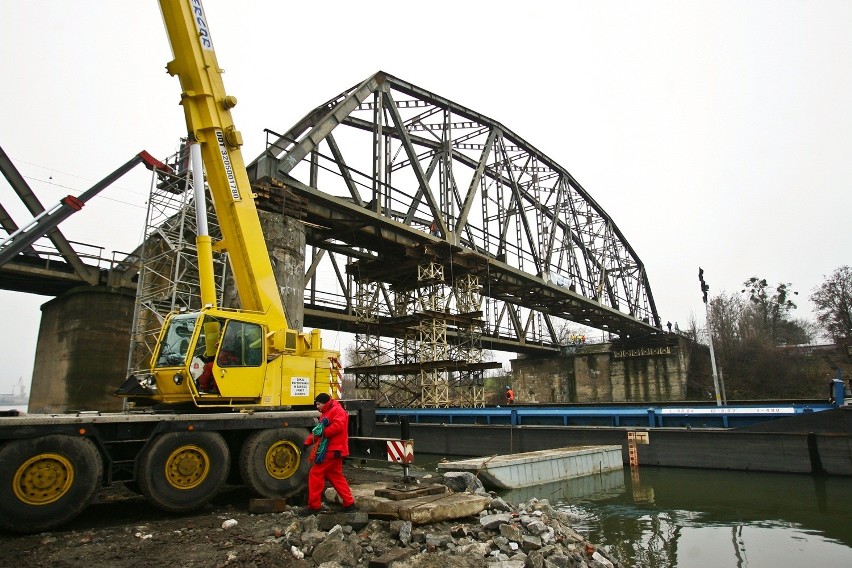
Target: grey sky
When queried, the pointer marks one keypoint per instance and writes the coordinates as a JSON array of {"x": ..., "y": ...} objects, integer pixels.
[{"x": 714, "y": 133}]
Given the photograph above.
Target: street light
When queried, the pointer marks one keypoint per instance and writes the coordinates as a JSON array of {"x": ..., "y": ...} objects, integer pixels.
[{"x": 704, "y": 289}]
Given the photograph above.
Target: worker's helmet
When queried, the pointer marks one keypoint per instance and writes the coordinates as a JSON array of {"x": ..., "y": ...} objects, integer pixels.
[{"x": 508, "y": 387}]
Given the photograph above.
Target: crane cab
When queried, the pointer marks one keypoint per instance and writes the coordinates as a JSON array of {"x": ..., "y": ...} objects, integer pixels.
[{"x": 218, "y": 357}]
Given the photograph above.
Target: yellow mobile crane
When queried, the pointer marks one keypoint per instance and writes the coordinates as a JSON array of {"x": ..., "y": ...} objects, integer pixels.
[
  {"x": 52, "y": 465},
  {"x": 255, "y": 359}
]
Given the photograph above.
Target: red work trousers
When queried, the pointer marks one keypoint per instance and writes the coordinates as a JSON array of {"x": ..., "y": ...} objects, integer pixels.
[{"x": 332, "y": 470}]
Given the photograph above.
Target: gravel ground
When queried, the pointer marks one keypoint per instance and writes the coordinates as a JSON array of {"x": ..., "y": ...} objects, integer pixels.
[{"x": 122, "y": 529}]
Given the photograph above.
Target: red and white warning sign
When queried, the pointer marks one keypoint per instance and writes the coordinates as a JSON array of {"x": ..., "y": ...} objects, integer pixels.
[{"x": 401, "y": 451}]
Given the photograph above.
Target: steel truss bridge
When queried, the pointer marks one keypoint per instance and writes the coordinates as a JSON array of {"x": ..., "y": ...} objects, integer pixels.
[
  {"x": 445, "y": 231},
  {"x": 37, "y": 258}
]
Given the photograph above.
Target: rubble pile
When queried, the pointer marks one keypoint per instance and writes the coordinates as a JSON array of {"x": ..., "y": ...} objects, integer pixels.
[
  {"x": 528, "y": 535},
  {"x": 533, "y": 535}
]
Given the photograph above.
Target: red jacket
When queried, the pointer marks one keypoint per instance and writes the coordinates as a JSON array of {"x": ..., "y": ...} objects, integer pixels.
[{"x": 337, "y": 431}]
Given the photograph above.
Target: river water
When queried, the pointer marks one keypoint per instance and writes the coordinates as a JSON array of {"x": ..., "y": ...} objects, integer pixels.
[{"x": 683, "y": 518}]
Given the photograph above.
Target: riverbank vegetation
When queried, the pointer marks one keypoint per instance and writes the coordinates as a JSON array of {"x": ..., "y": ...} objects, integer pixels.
[{"x": 763, "y": 351}]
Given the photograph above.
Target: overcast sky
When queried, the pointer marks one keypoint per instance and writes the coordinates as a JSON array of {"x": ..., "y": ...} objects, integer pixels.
[{"x": 715, "y": 133}]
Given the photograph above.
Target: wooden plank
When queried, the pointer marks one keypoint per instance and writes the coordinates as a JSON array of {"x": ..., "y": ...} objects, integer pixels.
[{"x": 396, "y": 493}]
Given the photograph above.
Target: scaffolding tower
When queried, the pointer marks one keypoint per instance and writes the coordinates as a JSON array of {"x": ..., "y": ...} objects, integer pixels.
[
  {"x": 168, "y": 271},
  {"x": 427, "y": 352},
  {"x": 470, "y": 380},
  {"x": 432, "y": 336}
]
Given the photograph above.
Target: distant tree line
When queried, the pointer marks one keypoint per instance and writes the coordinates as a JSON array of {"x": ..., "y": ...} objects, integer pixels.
[{"x": 753, "y": 332}]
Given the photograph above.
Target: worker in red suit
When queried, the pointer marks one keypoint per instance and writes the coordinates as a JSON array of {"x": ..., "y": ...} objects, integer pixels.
[
  {"x": 206, "y": 381},
  {"x": 510, "y": 395},
  {"x": 330, "y": 444}
]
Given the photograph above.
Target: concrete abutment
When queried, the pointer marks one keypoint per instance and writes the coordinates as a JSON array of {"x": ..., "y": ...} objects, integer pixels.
[{"x": 606, "y": 372}]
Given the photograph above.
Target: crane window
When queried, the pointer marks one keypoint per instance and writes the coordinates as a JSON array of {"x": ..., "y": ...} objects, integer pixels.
[
  {"x": 242, "y": 345},
  {"x": 175, "y": 343}
]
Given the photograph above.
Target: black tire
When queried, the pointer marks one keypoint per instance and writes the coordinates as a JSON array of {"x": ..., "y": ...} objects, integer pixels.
[
  {"x": 272, "y": 463},
  {"x": 182, "y": 471},
  {"x": 47, "y": 481}
]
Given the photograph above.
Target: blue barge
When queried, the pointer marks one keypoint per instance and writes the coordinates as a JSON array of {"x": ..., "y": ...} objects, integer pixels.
[{"x": 651, "y": 415}]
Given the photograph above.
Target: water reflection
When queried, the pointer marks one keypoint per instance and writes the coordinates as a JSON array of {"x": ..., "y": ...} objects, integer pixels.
[{"x": 666, "y": 517}]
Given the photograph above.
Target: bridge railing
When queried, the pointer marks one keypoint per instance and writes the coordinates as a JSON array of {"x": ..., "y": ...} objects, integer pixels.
[{"x": 47, "y": 257}]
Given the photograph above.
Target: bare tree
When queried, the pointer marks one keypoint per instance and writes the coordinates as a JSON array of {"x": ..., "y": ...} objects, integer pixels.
[
  {"x": 768, "y": 319},
  {"x": 833, "y": 301},
  {"x": 351, "y": 358},
  {"x": 726, "y": 316},
  {"x": 747, "y": 330}
]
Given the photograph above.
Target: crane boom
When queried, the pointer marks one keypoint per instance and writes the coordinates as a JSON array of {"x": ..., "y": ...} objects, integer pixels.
[
  {"x": 207, "y": 109},
  {"x": 218, "y": 357}
]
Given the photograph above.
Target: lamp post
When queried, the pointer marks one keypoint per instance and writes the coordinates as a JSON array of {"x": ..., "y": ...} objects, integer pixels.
[{"x": 704, "y": 289}]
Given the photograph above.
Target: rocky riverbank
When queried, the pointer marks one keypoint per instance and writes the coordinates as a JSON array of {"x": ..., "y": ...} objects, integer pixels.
[{"x": 124, "y": 531}]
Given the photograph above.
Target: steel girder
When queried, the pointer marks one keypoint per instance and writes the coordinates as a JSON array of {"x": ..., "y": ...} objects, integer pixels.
[{"x": 392, "y": 173}]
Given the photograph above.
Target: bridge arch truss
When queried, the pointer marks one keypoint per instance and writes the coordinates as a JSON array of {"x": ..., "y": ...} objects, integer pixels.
[{"x": 393, "y": 175}]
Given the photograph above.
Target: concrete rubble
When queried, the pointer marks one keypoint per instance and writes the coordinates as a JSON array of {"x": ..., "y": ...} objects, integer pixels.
[{"x": 496, "y": 534}]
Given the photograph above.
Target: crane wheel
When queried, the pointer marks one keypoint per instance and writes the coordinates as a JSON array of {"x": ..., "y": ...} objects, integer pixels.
[
  {"x": 272, "y": 464},
  {"x": 181, "y": 471},
  {"x": 46, "y": 481}
]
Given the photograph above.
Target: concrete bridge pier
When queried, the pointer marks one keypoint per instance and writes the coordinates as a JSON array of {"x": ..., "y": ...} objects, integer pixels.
[
  {"x": 652, "y": 369},
  {"x": 285, "y": 241},
  {"x": 82, "y": 349}
]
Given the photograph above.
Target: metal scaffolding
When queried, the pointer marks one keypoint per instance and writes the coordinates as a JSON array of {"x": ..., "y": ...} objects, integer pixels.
[
  {"x": 368, "y": 352},
  {"x": 168, "y": 272},
  {"x": 432, "y": 336},
  {"x": 428, "y": 351},
  {"x": 470, "y": 381}
]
